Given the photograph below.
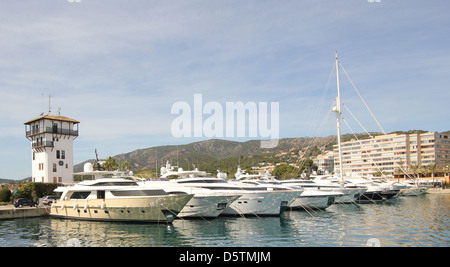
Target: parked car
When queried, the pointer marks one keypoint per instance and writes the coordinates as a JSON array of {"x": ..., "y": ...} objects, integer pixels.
[
  {"x": 48, "y": 200},
  {"x": 21, "y": 202}
]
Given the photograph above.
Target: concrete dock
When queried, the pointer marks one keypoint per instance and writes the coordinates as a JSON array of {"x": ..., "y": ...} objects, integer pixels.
[
  {"x": 438, "y": 191},
  {"x": 10, "y": 212}
]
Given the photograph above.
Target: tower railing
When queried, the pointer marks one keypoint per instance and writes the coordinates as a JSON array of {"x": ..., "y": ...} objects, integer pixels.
[
  {"x": 42, "y": 144},
  {"x": 52, "y": 130}
]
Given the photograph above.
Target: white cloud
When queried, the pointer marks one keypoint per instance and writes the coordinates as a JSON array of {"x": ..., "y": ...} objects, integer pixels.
[{"x": 118, "y": 66}]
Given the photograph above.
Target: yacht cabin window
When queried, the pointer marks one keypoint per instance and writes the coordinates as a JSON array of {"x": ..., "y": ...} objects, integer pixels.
[
  {"x": 128, "y": 193},
  {"x": 80, "y": 195},
  {"x": 100, "y": 194},
  {"x": 118, "y": 183},
  {"x": 209, "y": 181}
]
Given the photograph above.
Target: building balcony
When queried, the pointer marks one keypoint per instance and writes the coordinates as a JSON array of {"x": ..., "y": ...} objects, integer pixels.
[
  {"x": 42, "y": 144},
  {"x": 52, "y": 130}
]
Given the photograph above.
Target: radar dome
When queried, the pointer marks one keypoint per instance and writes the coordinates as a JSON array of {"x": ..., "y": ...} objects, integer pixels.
[{"x": 88, "y": 167}]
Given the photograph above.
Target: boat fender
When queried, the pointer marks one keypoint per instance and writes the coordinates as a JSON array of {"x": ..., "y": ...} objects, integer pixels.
[
  {"x": 86, "y": 206},
  {"x": 63, "y": 206},
  {"x": 75, "y": 206},
  {"x": 102, "y": 206}
]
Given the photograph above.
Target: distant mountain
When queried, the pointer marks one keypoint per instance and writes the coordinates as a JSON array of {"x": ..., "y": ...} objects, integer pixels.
[
  {"x": 410, "y": 132},
  {"x": 11, "y": 181},
  {"x": 215, "y": 153}
]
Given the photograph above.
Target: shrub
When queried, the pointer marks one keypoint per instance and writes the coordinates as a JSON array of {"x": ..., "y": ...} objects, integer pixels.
[
  {"x": 5, "y": 195},
  {"x": 34, "y": 191}
]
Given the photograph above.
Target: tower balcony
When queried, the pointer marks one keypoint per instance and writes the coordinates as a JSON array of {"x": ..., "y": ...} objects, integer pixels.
[
  {"x": 42, "y": 144},
  {"x": 51, "y": 130}
]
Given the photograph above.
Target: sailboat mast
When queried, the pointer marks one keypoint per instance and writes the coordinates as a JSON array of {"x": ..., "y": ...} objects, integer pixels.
[{"x": 338, "y": 111}]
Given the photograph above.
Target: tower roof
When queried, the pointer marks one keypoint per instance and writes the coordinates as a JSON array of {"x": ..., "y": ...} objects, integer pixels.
[{"x": 53, "y": 117}]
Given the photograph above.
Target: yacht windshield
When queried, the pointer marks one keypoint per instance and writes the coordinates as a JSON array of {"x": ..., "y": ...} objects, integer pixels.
[
  {"x": 118, "y": 183},
  {"x": 205, "y": 181},
  {"x": 134, "y": 193}
]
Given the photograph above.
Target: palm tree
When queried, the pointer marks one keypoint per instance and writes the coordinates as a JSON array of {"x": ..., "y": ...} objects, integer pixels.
[
  {"x": 110, "y": 164},
  {"x": 415, "y": 170},
  {"x": 124, "y": 165},
  {"x": 432, "y": 169}
]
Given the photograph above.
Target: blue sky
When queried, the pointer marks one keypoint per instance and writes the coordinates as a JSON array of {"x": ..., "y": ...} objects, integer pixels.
[{"x": 119, "y": 66}]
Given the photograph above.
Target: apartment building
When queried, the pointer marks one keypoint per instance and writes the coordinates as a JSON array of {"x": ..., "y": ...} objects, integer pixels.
[
  {"x": 325, "y": 163},
  {"x": 386, "y": 153}
]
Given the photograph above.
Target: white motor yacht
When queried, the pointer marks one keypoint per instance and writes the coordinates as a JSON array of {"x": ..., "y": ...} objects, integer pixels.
[
  {"x": 376, "y": 190},
  {"x": 313, "y": 197},
  {"x": 349, "y": 195},
  {"x": 205, "y": 203},
  {"x": 271, "y": 185},
  {"x": 254, "y": 200},
  {"x": 115, "y": 199},
  {"x": 412, "y": 189},
  {"x": 310, "y": 198},
  {"x": 327, "y": 182}
]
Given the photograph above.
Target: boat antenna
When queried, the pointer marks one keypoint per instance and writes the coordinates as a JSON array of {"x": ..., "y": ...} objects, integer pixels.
[
  {"x": 49, "y": 104},
  {"x": 43, "y": 110},
  {"x": 97, "y": 162}
]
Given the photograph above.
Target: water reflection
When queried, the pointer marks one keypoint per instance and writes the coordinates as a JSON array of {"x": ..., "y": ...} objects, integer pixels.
[
  {"x": 94, "y": 234},
  {"x": 413, "y": 221}
]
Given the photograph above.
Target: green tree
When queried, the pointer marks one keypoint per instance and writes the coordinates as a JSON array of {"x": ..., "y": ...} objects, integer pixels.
[
  {"x": 432, "y": 168},
  {"x": 34, "y": 191},
  {"x": 110, "y": 164},
  {"x": 146, "y": 174},
  {"x": 284, "y": 171},
  {"x": 378, "y": 173},
  {"x": 124, "y": 165},
  {"x": 308, "y": 165},
  {"x": 415, "y": 169},
  {"x": 5, "y": 195}
]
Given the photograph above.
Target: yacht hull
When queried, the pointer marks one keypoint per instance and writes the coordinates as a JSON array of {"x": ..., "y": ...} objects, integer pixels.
[
  {"x": 415, "y": 191},
  {"x": 206, "y": 206},
  {"x": 270, "y": 203},
  {"x": 351, "y": 195},
  {"x": 312, "y": 202},
  {"x": 370, "y": 196},
  {"x": 149, "y": 209}
]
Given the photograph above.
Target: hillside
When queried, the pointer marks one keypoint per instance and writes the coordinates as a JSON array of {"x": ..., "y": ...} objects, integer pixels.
[
  {"x": 212, "y": 154},
  {"x": 215, "y": 154},
  {"x": 11, "y": 181}
]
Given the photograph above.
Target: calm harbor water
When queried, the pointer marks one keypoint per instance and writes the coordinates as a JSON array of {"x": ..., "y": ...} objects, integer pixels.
[{"x": 407, "y": 221}]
